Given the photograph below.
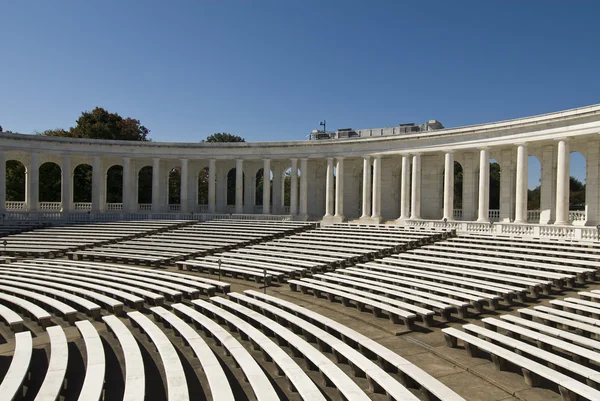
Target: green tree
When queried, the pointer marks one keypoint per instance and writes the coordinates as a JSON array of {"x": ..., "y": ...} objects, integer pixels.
[
  {"x": 533, "y": 198},
  {"x": 494, "y": 186},
  {"x": 15, "y": 181},
  {"x": 576, "y": 194},
  {"x": 224, "y": 137}
]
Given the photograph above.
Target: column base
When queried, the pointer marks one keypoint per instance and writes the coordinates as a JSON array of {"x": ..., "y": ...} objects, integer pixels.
[
  {"x": 483, "y": 220},
  {"x": 401, "y": 220},
  {"x": 520, "y": 222},
  {"x": 327, "y": 220},
  {"x": 562, "y": 223}
]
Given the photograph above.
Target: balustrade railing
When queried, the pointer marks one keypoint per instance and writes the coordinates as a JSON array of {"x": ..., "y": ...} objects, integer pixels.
[
  {"x": 145, "y": 207},
  {"x": 174, "y": 207},
  {"x": 533, "y": 216},
  {"x": 114, "y": 207},
  {"x": 230, "y": 209},
  {"x": 286, "y": 209},
  {"x": 82, "y": 206},
  {"x": 258, "y": 209},
  {"x": 50, "y": 205},
  {"x": 202, "y": 209},
  {"x": 14, "y": 205},
  {"x": 577, "y": 215},
  {"x": 494, "y": 214},
  {"x": 457, "y": 213}
]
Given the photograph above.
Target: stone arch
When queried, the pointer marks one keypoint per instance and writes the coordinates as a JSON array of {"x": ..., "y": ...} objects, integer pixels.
[
  {"x": 534, "y": 188},
  {"x": 174, "y": 185},
  {"x": 259, "y": 186},
  {"x": 82, "y": 183},
  {"x": 231, "y": 183},
  {"x": 203, "y": 186},
  {"x": 50, "y": 182},
  {"x": 16, "y": 173},
  {"x": 144, "y": 185},
  {"x": 577, "y": 183},
  {"x": 114, "y": 184},
  {"x": 495, "y": 177}
]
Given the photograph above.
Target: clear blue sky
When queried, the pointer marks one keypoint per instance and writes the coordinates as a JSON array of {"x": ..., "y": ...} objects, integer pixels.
[{"x": 271, "y": 70}]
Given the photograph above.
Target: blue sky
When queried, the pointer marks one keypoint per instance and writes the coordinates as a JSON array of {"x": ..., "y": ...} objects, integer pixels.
[{"x": 271, "y": 70}]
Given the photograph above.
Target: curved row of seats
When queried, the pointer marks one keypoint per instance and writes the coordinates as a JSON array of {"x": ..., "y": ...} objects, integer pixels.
[
  {"x": 183, "y": 242},
  {"x": 311, "y": 251},
  {"x": 295, "y": 344},
  {"x": 57, "y": 240},
  {"x": 454, "y": 276},
  {"x": 557, "y": 343}
]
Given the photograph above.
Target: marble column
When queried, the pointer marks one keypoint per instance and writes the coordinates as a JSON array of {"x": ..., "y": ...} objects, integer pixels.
[
  {"x": 294, "y": 187},
  {"x": 562, "y": 183},
  {"x": 415, "y": 207},
  {"x": 405, "y": 188},
  {"x": 304, "y": 188},
  {"x": 376, "y": 203},
  {"x": 2, "y": 181},
  {"x": 329, "y": 188},
  {"x": 366, "y": 196},
  {"x": 156, "y": 185},
  {"x": 339, "y": 189},
  {"x": 183, "y": 190},
  {"x": 239, "y": 186},
  {"x": 448, "y": 186},
  {"x": 66, "y": 182},
  {"x": 32, "y": 183},
  {"x": 592, "y": 200},
  {"x": 522, "y": 182},
  {"x": 483, "y": 210},
  {"x": 128, "y": 194},
  {"x": 212, "y": 186},
  {"x": 266, "y": 186},
  {"x": 98, "y": 185}
]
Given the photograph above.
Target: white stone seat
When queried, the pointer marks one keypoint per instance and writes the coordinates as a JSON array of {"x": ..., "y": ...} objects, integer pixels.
[
  {"x": 579, "y": 354},
  {"x": 135, "y": 378},
  {"x": 12, "y": 384},
  {"x": 568, "y": 387},
  {"x": 495, "y": 264},
  {"x": 395, "y": 314},
  {"x": 551, "y": 318},
  {"x": 551, "y": 331},
  {"x": 416, "y": 278},
  {"x": 78, "y": 285},
  {"x": 261, "y": 386},
  {"x": 12, "y": 318},
  {"x": 202, "y": 284},
  {"x": 67, "y": 312},
  {"x": 520, "y": 259},
  {"x": 233, "y": 261},
  {"x": 124, "y": 257},
  {"x": 438, "y": 299},
  {"x": 36, "y": 312},
  {"x": 90, "y": 308},
  {"x": 393, "y": 297},
  {"x": 314, "y": 248},
  {"x": 451, "y": 266},
  {"x": 590, "y": 376},
  {"x": 319, "y": 255},
  {"x": 54, "y": 381},
  {"x": 126, "y": 284},
  {"x": 379, "y": 380},
  {"x": 312, "y": 266},
  {"x": 219, "y": 385},
  {"x": 578, "y": 306},
  {"x": 213, "y": 268},
  {"x": 174, "y": 375},
  {"x": 93, "y": 384},
  {"x": 429, "y": 385},
  {"x": 327, "y": 243},
  {"x": 260, "y": 250}
]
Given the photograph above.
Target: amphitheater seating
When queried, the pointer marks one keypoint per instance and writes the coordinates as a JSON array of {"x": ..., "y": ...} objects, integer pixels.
[
  {"x": 57, "y": 240},
  {"x": 311, "y": 251},
  {"x": 93, "y": 383},
  {"x": 57, "y": 367},
  {"x": 12, "y": 383},
  {"x": 183, "y": 242},
  {"x": 557, "y": 343}
]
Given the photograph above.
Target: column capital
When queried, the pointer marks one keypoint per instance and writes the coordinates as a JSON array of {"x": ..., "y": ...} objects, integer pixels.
[
  {"x": 449, "y": 151},
  {"x": 563, "y": 139},
  {"x": 367, "y": 157},
  {"x": 266, "y": 160},
  {"x": 329, "y": 159},
  {"x": 304, "y": 159},
  {"x": 378, "y": 157},
  {"x": 294, "y": 158},
  {"x": 524, "y": 144},
  {"x": 485, "y": 147},
  {"x": 341, "y": 158},
  {"x": 124, "y": 158}
]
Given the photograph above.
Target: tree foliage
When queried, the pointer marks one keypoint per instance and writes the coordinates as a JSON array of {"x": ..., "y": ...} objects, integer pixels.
[{"x": 224, "y": 137}]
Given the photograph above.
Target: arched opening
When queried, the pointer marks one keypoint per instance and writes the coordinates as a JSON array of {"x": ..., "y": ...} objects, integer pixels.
[
  {"x": 82, "y": 184},
  {"x": 50, "y": 184},
  {"x": 114, "y": 185},
  {"x": 231, "y": 183},
  {"x": 577, "y": 181},
  {"x": 145, "y": 188},
  {"x": 263, "y": 184},
  {"x": 494, "y": 203},
  {"x": 15, "y": 184},
  {"x": 203, "y": 188},
  {"x": 534, "y": 189},
  {"x": 174, "y": 187},
  {"x": 458, "y": 190}
]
